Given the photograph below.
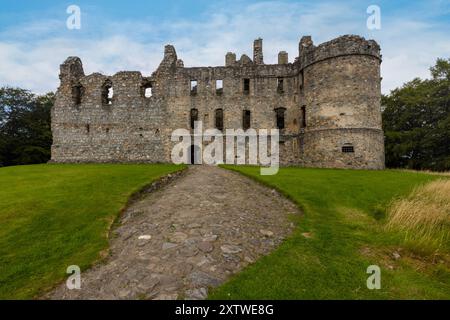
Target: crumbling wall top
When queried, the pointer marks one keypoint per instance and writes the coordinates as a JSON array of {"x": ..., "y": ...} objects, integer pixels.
[
  {"x": 71, "y": 69},
  {"x": 245, "y": 60},
  {"x": 169, "y": 61}
]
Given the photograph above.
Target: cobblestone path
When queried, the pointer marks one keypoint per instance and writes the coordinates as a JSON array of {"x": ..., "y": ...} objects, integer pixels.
[{"x": 189, "y": 236}]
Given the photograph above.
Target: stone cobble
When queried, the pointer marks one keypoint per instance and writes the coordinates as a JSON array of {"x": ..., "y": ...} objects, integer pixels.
[{"x": 189, "y": 236}]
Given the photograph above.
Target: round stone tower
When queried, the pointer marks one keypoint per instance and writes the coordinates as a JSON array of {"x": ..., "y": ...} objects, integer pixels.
[{"x": 341, "y": 103}]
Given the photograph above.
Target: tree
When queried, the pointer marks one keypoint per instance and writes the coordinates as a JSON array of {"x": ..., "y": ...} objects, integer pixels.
[
  {"x": 416, "y": 122},
  {"x": 25, "y": 132}
]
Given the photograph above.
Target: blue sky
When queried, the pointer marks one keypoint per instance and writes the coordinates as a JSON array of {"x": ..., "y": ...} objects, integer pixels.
[{"x": 130, "y": 35}]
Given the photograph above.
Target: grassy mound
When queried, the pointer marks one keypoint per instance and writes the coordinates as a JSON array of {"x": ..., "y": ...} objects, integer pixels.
[{"x": 54, "y": 216}]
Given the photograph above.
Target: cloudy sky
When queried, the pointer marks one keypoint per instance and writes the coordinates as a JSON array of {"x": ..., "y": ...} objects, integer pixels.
[{"x": 131, "y": 35}]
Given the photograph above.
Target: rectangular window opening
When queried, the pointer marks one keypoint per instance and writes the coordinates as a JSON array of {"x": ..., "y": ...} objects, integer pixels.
[
  {"x": 110, "y": 95},
  {"x": 219, "y": 86},
  {"x": 107, "y": 93},
  {"x": 280, "y": 118},
  {"x": 303, "y": 120},
  {"x": 302, "y": 80},
  {"x": 77, "y": 93},
  {"x": 194, "y": 85},
  {"x": 280, "y": 85},
  {"x": 246, "y": 120},
  {"x": 246, "y": 86},
  {"x": 146, "y": 88},
  {"x": 219, "y": 119},
  {"x": 348, "y": 149}
]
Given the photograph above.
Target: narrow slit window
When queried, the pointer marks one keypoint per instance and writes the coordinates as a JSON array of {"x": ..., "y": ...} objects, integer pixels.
[
  {"x": 303, "y": 120},
  {"x": 219, "y": 119},
  {"x": 194, "y": 86},
  {"x": 348, "y": 148},
  {"x": 246, "y": 120},
  {"x": 280, "y": 115},
  {"x": 302, "y": 79},
  {"x": 193, "y": 117},
  {"x": 280, "y": 85},
  {"x": 246, "y": 86},
  {"x": 219, "y": 86}
]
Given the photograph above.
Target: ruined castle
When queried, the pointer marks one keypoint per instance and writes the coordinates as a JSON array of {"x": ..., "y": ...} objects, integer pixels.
[{"x": 326, "y": 104}]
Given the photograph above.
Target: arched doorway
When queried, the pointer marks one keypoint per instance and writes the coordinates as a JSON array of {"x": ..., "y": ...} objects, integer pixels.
[{"x": 195, "y": 154}]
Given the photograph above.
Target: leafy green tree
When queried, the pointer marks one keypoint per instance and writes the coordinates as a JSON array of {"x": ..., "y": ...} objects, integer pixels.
[
  {"x": 25, "y": 132},
  {"x": 416, "y": 122}
]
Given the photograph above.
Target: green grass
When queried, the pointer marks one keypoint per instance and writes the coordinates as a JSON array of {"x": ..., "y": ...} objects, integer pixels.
[
  {"x": 53, "y": 216},
  {"x": 344, "y": 212}
]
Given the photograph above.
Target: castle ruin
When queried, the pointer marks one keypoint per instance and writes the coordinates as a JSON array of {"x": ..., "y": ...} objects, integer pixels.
[{"x": 326, "y": 104}]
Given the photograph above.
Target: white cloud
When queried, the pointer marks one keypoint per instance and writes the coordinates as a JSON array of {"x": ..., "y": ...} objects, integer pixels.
[{"x": 409, "y": 45}]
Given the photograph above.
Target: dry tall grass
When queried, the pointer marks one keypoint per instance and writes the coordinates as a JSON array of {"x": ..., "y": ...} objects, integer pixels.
[
  {"x": 424, "y": 215},
  {"x": 434, "y": 173}
]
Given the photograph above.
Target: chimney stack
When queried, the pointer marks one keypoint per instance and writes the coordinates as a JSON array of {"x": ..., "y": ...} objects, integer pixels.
[
  {"x": 283, "y": 57},
  {"x": 258, "y": 51},
  {"x": 230, "y": 59}
]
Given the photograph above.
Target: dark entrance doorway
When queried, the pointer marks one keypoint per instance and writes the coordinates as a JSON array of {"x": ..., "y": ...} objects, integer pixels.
[{"x": 195, "y": 154}]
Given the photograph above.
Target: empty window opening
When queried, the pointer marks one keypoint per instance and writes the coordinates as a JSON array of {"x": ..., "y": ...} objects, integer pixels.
[
  {"x": 303, "y": 120},
  {"x": 193, "y": 117},
  {"x": 107, "y": 93},
  {"x": 246, "y": 120},
  {"x": 88, "y": 128},
  {"x": 77, "y": 94},
  {"x": 246, "y": 86},
  {"x": 110, "y": 95},
  {"x": 280, "y": 85},
  {"x": 146, "y": 89},
  {"x": 280, "y": 118},
  {"x": 219, "y": 119},
  {"x": 219, "y": 86},
  {"x": 348, "y": 148},
  {"x": 194, "y": 85},
  {"x": 107, "y": 130}
]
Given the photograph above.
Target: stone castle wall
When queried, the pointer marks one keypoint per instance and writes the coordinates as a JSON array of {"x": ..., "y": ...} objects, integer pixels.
[
  {"x": 337, "y": 84},
  {"x": 342, "y": 98}
]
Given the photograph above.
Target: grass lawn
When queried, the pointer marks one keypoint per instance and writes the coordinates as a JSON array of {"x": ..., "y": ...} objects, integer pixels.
[
  {"x": 344, "y": 212},
  {"x": 53, "y": 216}
]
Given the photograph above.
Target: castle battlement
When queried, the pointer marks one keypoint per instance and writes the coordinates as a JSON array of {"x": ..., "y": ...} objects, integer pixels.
[{"x": 342, "y": 46}]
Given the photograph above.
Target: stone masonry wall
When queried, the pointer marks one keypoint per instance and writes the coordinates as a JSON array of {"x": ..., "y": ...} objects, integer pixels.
[
  {"x": 337, "y": 83},
  {"x": 341, "y": 94}
]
